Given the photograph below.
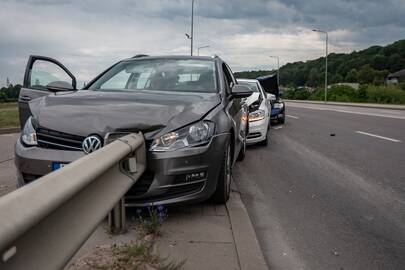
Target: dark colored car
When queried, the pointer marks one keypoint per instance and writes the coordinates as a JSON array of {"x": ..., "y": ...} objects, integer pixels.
[
  {"x": 190, "y": 110},
  {"x": 270, "y": 85}
]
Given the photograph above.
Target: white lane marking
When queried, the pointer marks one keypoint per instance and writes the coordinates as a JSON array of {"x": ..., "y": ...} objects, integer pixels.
[
  {"x": 292, "y": 116},
  {"x": 378, "y": 136},
  {"x": 277, "y": 127},
  {"x": 348, "y": 111}
]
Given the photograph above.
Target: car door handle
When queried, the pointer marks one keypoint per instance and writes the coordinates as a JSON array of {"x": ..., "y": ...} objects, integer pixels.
[{"x": 25, "y": 98}]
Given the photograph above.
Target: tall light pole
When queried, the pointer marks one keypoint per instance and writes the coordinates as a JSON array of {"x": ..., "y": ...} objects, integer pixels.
[
  {"x": 192, "y": 26},
  {"x": 202, "y": 47},
  {"x": 278, "y": 68},
  {"x": 326, "y": 62}
]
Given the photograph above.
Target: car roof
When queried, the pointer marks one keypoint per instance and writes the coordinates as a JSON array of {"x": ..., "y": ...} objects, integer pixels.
[
  {"x": 177, "y": 57},
  {"x": 247, "y": 80}
]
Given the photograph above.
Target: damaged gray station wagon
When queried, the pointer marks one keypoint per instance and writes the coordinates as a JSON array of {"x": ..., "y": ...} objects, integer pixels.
[{"x": 190, "y": 109}]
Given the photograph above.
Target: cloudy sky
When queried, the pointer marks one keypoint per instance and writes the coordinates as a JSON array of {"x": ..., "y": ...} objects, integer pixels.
[{"x": 90, "y": 35}]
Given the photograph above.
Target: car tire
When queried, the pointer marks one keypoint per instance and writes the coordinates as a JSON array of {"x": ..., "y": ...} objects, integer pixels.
[
  {"x": 282, "y": 120},
  {"x": 242, "y": 152},
  {"x": 223, "y": 190}
]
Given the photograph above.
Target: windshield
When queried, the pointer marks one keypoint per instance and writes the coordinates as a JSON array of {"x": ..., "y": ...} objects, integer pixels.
[
  {"x": 251, "y": 85},
  {"x": 186, "y": 75}
]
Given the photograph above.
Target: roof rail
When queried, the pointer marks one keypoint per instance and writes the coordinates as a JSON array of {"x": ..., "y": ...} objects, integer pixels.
[{"x": 140, "y": 55}]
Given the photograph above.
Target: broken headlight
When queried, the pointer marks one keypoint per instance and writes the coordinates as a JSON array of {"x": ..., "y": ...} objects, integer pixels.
[
  {"x": 193, "y": 135},
  {"x": 28, "y": 134},
  {"x": 257, "y": 115}
]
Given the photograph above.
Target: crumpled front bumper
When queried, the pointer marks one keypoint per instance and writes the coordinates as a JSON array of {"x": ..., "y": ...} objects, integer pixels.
[{"x": 184, "y": 176}]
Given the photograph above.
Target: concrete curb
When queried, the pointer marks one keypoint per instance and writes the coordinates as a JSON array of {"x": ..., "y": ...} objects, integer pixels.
[
  {"x": 249, "y": 253},
  {"x": 363, "y": 105},
  {"x": 9, "y": 130}
]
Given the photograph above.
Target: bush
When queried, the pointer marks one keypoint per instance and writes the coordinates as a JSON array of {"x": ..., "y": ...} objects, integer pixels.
[
  {"x": 385, "y": 94},
  {"x": 301, "y": 94},
  {"x": 390, "y": 94},
  {"x": 342, "y": 93}
]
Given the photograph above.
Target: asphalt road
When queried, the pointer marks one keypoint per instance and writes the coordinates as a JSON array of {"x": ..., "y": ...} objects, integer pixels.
[
  {"x": 329, "y": 190},
  {"x": 327, "y": 193}
]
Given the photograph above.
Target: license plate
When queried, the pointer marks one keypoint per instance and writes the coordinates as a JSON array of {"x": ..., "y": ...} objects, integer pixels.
[{"x": 57, "y": 165}]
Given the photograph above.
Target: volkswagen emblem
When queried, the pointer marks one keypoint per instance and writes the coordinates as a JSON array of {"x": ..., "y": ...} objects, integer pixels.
[{"x": 91, "y": 144}]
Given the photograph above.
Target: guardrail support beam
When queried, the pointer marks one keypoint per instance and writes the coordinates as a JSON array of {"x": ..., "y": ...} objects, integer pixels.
[{"x": 117, "y": 218}]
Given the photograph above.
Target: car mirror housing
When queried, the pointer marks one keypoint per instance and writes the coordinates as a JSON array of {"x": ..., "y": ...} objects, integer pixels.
[
  {"x": 271, "y": 97},
  {"x": 241, "y": 91},
  {"x": 59, "y": 86}
]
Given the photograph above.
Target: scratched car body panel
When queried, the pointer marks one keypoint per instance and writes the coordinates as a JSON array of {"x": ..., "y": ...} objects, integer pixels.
[{"x": 191, "y": 111}]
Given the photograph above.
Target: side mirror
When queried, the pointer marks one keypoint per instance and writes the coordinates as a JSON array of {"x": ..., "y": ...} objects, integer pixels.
[
  {"x": 280, "y": 94},
  {"x": 59, "y": 86},
  {"x": 271, "y": 97},
  {"x": 240, "y": 91}
]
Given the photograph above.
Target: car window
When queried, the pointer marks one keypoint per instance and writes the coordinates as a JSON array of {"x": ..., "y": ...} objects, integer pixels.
[
  {"x": 45, "y": 72},
  {"x": 262, "y": 93},
  {"x": 252, "y": 85},
  {"x": 160, "y": 74},
  {"x": 119, "y": 81},
  {"x": 228, "y": 78},
  {"x": 231, "y": 75}
]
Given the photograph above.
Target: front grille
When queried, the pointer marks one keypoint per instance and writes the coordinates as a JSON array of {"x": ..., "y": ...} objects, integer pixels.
[
  {"x": 254, "y": 135},
  {"x": 184, "y": 190},
  {"x": 142, "y": 185},
  {"x": 172, "y": 192},
  {"x": 28, "y": 178},
  {"x": 52, "y": 139}
]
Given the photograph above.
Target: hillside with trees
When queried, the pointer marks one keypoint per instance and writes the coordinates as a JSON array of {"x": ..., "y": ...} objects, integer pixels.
[{"x": 369, "y": 66}]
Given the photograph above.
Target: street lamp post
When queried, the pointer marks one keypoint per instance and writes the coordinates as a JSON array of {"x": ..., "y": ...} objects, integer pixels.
[
  {"x": 278, "y": 69},
  {"x": 192, "y": 26},
  {"x": 202, "y": 47},
  {"x": 326, "y": 62}
]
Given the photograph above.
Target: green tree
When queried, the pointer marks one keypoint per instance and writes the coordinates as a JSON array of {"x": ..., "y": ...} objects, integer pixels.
[
  {"x": 366, "y": 74},
  {"x": 352, "y": 76}
]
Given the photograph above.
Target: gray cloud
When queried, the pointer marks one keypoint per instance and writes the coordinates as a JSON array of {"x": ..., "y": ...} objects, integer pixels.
[{"x": 90, "y": 35}]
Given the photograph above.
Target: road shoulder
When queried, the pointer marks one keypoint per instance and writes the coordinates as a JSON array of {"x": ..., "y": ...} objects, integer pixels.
[{"x": 203, "y": 236}]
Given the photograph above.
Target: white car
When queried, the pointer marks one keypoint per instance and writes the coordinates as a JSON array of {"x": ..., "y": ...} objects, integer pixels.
[{"x": 259, "y": 112}]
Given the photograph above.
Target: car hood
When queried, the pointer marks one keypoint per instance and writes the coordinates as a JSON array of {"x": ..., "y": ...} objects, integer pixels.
[
  {"x": 88, "y": 112},
  {"x": 252, "y": 98},
  {"x": 270, "y": 84}
]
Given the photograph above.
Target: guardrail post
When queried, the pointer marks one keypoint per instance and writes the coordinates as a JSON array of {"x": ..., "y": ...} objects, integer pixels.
[{"x": 117, "y": 218}]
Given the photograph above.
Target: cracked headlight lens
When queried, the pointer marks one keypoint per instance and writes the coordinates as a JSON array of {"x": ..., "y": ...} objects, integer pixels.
[
  {"x": 193, "y": 135},
  {"x": 28, "y": 135}
]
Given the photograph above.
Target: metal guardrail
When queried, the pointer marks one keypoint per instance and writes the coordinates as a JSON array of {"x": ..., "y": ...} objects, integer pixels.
[
  {"x": 350, "y": 104},
  {"x": 43, "y": 224}
]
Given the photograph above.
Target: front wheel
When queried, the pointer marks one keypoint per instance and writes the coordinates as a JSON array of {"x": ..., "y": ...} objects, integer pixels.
[
  {"x": 282, "y": 120},
  {"x": 221, "y": 194},
  {"x": 242, "y": 153}
]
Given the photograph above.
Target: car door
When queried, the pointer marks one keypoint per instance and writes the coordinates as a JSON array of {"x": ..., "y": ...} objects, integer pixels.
[
  {"x": 236, "y": 108},
  {"x": 40, "y": 71}
]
